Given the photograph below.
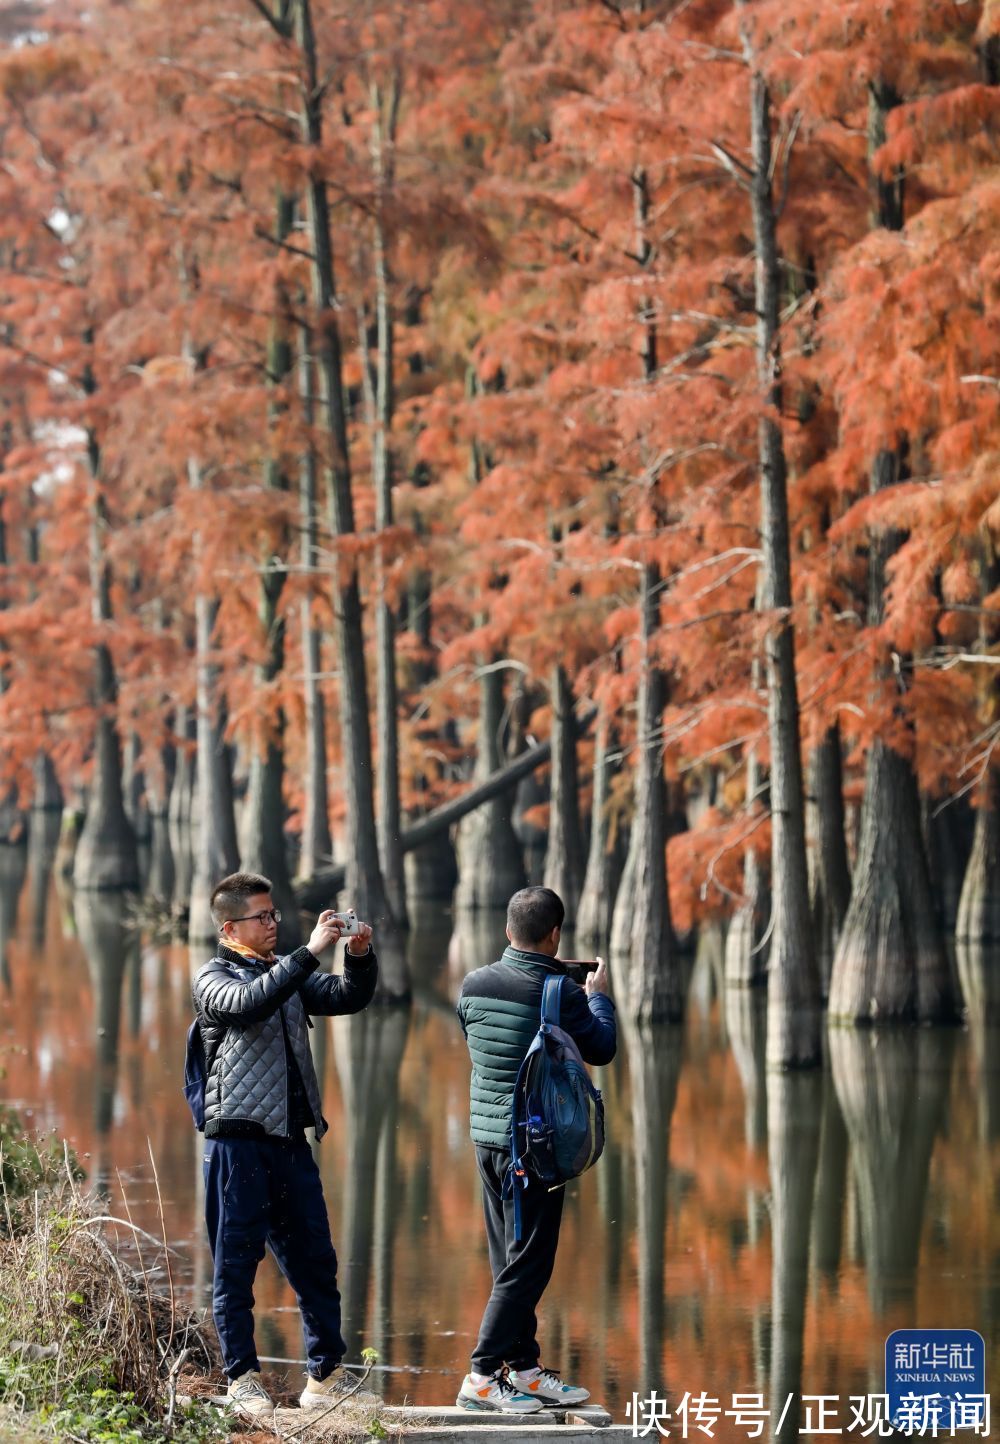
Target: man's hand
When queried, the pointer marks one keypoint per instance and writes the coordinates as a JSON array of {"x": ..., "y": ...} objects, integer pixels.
[
  {"x": 359, "y": 943},
  {"x": 597, "y": 981},
  {"x": 325, "y": 934}
]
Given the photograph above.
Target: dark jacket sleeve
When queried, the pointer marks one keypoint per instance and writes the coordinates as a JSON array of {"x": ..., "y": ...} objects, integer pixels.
[
  {"x": 590, "y": 1022},
  {"x": 325, "y": 995},
  {"x": 221, "y": 998}
]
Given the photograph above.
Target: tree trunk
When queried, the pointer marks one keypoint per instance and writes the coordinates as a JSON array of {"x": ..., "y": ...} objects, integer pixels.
[
  {"x": 431, "y": 870},
  {"x": 48, "y": 794},
  {"x": 12, "y": 822},
  {"x": 160, "y": 880},
  {"x": 890, "y": 964},
  {"x": 134, "y": 790},
  {"x": 949, "y": 833},
  {"x": 106, "y": 856},
  {"x": 263, "y": 825},
  {"x": 793, "y": 1016},
  {"x": 386, "y": 109},
  {"x": 887, "y": 208},
  {"x": 641, "y": 932},
  {"x": 831, "y": 879},
  {"x": 604, "y": 860},
  {"x": 747, "y": 937},
  {"x": 534, "y": 791},
  {"x": 979, "y": 973},
  {"x": 215, "y": 850},
  {"x": 180, "y": 808},
  {"x": 365, "y": 888},
  {"x": 316, "y": 846},
  {"x": 490, "y": 866},
  {"x": 564, "y": 854},
  {"x": 979, "y": 908}
]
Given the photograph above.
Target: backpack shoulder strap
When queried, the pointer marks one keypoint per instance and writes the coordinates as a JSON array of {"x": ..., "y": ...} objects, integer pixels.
[{"x": 551, "y": 996}]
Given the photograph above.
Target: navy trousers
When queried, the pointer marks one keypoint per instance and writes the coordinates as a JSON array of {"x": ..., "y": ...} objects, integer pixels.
[
  {"x": 520, "y": 1269},
  {"x": 268, "y": 1191}
]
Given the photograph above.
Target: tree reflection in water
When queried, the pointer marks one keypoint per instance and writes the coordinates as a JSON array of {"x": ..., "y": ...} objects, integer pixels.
[
  {"x": 13, "y": 869},
  {"x": 681, "y": 1195},
  {"x": 654, "y": 1065},
  {"x": 893, "y": 1088},
  {"x": 43, "y": 840},
  {"x": 793, "y": 1121},
  {"x": 368, "y": 1048},
  {"x": 109, "y": 944}
]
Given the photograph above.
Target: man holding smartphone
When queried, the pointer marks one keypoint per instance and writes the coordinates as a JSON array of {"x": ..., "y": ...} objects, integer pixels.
[
  {"x": 500, "y": 1009},
  {"x": 262, "y": 1186}
]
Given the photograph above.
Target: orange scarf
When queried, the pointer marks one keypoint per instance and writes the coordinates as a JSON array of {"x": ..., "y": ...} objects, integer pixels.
[{"x": 246, "y": 952}]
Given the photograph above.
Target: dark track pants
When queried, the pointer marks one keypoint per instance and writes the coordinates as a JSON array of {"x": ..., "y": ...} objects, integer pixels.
[
  {"x": 520, "y": 1270},
  {"x": 268, "y": 1191}
]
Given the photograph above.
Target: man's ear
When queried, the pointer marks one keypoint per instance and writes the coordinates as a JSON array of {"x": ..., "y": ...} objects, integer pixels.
[{"x": 508, "y": 936}]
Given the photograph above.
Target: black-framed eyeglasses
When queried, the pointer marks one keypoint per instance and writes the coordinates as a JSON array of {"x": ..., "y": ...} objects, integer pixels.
[{"x": 273, "y": 913}]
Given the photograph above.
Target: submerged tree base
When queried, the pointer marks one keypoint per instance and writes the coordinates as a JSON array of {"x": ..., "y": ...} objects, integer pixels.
[{"x": 890, "y": 965}]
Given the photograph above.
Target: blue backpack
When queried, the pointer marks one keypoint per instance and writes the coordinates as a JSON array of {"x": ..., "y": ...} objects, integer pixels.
[
  {"x": 557, "y": 1115},
  {"x": 195, "y": 1074}
]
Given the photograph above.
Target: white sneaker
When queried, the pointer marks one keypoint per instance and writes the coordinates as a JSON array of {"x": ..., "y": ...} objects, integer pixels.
[
  {"x": 338, "y": 1385},
  {"x": 248, "y": 1396},
  {"x": 495, "y": 1394},
  {"x": 546, "y": 1385}
]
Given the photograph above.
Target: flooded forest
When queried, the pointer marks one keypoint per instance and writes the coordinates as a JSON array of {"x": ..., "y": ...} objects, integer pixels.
[{"x": 446, "y": 447}]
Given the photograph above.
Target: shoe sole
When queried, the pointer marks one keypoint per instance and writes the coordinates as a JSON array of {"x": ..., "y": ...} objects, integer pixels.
[{"x": 479, "y": 1406}]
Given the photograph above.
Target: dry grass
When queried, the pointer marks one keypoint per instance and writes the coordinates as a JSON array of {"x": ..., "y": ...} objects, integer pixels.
[
  {"x": 93, "y": 1346},
  {"x": 69, "y": 1306}
]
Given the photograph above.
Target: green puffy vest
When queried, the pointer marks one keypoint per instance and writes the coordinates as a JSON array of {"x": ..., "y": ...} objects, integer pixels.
[{"x": 499, "y": 1031}]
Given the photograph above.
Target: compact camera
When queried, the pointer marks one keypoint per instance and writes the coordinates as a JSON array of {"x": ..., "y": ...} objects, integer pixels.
[{"x": 349, "y": 925}]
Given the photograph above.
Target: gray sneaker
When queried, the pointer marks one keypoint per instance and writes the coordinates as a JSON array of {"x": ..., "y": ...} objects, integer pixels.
[
  {"x": 496, "y": 1394},
  {"x": 248, "y": 1396}
]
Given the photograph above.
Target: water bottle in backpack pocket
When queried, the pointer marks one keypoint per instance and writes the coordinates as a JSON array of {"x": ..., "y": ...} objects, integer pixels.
[{"x": 557, "y": 1115}]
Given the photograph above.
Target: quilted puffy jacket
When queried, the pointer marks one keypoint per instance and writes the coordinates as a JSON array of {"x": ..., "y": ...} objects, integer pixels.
[
  {"x": 250, "y": 1015},
  {"x": 500, "y": 1009}
]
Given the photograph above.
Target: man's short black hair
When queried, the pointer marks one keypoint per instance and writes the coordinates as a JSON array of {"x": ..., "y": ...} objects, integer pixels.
[
  {"x": 231, "y": 895},
  {"x": 533, "y": 912}
]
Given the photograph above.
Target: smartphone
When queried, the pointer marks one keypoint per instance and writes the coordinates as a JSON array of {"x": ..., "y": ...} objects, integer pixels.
[{"x": 586, "y": 965}]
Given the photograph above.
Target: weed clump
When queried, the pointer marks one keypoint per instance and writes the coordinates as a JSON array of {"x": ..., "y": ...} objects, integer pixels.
[{"x": 89, "y": 1349}]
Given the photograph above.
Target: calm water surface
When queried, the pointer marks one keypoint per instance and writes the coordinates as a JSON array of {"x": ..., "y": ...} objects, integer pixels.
[{"x": 742, "y": 1233}]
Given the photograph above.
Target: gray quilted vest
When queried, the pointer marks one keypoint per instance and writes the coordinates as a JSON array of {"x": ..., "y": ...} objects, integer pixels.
[{"x": 248, "y": 1073}]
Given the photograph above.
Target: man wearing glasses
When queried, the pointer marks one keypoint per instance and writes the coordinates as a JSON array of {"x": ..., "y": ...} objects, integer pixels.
[{"x": 262, "y": 1185}]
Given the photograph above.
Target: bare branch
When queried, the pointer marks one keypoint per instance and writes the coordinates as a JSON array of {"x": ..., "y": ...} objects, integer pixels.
[
  {"x": 276, "y": 25},
  {"x": 786, "y": 161},
  {"x": 264, "y": 235},
  {"x": 741, "y": 174}
]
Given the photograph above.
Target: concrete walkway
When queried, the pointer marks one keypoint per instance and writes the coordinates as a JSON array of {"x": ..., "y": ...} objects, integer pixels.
[{"x": 457, "y": 1426}]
